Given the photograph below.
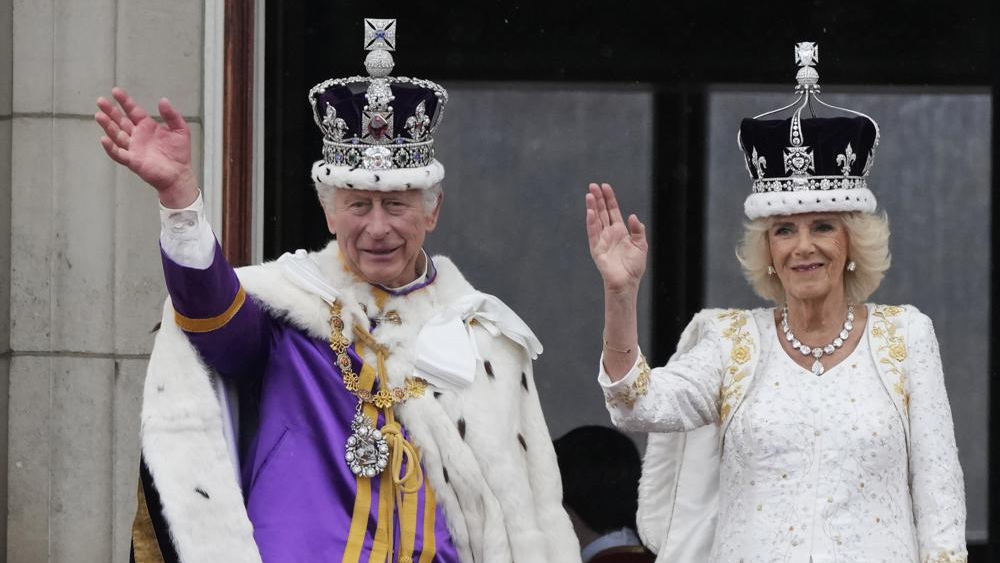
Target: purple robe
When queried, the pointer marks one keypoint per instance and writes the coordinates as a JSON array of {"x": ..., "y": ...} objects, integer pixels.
[{"x": 300, "y": 495}]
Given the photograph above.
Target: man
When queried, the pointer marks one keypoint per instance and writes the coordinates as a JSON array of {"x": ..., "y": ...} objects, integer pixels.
[
  {"x": 386, "y": 409},
  {"x": 600, "y": 470}
]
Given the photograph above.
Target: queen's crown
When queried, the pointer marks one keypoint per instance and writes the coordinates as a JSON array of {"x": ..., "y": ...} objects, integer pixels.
[{"x": 815, "y": 153}]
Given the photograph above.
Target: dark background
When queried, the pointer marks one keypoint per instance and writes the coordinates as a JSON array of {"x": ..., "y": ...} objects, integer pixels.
[{"x": 678, "y": 47}]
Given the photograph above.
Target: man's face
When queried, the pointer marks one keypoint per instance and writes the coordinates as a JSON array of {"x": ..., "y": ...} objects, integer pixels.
[{"x": 380, "y": 234}]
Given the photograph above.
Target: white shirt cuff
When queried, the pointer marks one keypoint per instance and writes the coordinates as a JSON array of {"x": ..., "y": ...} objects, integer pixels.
[
  {"x": 605, "y": 380},
  {"x": 186, "y": 237}
]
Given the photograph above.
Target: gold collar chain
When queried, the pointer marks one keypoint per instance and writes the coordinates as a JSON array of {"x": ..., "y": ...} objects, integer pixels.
[{"x": 387, "y": 396}]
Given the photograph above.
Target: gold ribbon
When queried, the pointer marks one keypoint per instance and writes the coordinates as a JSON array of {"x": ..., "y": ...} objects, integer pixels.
[
  {"x": 399, "y": 447},
  {"x": 404, "y": 482},
  {"x": 410, "y": 481}
]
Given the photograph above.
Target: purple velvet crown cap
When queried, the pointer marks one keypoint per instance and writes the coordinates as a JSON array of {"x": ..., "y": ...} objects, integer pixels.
[
  {"x": 349, "y": 101},
  {"x": 826, "y": 137}
]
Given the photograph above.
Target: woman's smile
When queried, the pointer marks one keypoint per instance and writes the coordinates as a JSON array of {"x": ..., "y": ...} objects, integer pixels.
[{"x": 807, "y": 268}]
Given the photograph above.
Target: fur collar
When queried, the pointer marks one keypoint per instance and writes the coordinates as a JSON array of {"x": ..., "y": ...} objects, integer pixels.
[
  {"x": 486, "y": 450},
  {"x": 272, "y": 289}
]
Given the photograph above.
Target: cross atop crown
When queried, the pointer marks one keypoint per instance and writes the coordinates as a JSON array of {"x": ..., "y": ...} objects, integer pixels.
[
  {"x": 807, "y": 56},
  {"x": 380, "y": 34},
  {"x": 807, "y": 53}
]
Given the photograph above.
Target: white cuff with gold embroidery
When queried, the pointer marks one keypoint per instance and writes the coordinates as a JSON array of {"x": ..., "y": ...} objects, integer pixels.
[
  {"x": 186, "y": 237},
  {"x": 627, "y": 390}
]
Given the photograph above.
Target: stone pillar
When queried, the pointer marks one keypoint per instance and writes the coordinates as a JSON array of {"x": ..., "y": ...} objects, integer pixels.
[
  {"x": 6, "y": 92},
  {"x": 80, "y": 279}
]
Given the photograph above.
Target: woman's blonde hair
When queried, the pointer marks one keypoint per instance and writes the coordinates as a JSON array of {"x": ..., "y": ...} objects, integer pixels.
[{"x": 868, "y": 246}]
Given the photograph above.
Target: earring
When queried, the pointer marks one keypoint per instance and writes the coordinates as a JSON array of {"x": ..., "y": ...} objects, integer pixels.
[
  {"x": 852, "y": 265},
  {"x": 770, "y": 270}
]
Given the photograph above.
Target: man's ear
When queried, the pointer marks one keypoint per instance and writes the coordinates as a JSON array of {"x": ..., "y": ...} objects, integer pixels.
[
  {"x": 432, "y": 217},
  {"x": 328, "y": 212}
]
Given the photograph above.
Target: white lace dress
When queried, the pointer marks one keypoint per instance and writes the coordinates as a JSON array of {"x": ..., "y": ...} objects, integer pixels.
[{"x": 816, "y": 468}]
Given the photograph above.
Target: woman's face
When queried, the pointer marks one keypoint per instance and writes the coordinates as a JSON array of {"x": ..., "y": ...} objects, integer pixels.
[{"x": 809, "y": 253}]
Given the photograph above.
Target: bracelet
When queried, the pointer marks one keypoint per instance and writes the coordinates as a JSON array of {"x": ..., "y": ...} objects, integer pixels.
[{"x": 613, "y": 349}]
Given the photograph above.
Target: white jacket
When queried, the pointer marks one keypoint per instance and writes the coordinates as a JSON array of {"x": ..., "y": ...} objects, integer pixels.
[{"x": 679, "y": 488}]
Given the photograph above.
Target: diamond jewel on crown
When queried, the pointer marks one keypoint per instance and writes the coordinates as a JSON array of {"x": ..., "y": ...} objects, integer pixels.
[
  {"x": 799, "y": 160},
  {"x": 377, "y": 158}
]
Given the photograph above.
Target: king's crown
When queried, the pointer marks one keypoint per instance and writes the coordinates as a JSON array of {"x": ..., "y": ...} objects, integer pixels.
[{"x": 378, "y": 122}]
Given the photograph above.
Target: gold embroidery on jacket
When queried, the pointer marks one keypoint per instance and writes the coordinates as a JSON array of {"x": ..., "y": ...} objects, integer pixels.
[
  {"x": 892, "y": 349},
  {"x": 740, "y": 353},
  {"x": 946, "y": 557},
  {"x": 629, "y": 394}
]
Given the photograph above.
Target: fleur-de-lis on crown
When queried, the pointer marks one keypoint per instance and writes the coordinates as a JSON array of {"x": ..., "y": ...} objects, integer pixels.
[
  {"x": 417, "y": 124},
  {"x": 868, "y": 163},
  {"x": 846, "y": 159},
  {"x": 759, "y": 162},
  {"x": 333, "y": 126}
]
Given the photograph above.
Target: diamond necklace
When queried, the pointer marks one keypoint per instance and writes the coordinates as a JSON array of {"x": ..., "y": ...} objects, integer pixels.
[{"x": 817, "y": 352}]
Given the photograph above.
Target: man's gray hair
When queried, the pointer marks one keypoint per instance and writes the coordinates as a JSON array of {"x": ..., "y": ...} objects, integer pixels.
[
  {"x": 432, "y": 196},
  {"x": 429, "y": 196}
]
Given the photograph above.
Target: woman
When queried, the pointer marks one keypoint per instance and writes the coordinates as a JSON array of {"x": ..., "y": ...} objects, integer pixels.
[{"x": 835, "y": 438}]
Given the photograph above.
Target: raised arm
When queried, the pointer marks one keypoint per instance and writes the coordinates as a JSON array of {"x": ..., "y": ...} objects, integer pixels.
[
  {"x": 210, "y": 304},
  {"x": 619, "y": 252},
  {"x": 160, "y": 154}
]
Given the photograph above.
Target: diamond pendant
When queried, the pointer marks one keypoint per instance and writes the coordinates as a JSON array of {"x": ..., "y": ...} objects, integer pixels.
[
  {"x": 367, "y": 451},
  {"x": 817, "y": 351}
]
